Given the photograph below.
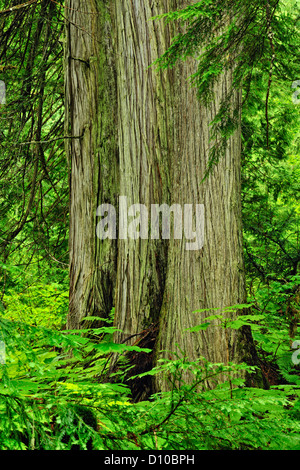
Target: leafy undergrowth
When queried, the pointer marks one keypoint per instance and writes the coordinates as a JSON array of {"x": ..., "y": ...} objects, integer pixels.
[
  {"x": 54, "y": 395},
  {"x": 40, "y": 304}
]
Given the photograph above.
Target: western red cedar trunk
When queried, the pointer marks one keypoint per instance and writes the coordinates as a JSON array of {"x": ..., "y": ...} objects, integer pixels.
[
  {"x": 92, "y": 153},
  {"x": 146, "y": 142},
  {"x": 144, "y": 135}
]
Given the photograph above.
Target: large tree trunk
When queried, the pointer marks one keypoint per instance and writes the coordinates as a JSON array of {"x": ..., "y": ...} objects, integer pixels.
[
  {"x": 92, "y": 152},
  {"x": 145, "y": 118},
  {"x": 163, "y": 145},
  {"x": 212, "y": 277}
]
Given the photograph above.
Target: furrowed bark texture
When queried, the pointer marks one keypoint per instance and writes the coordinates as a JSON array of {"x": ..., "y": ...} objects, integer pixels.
[
  {"x": 145, "y": 139},
  {"x": 91, "y": 150},
  {"x": 164, "y": 152},
  {"x": 212, "y": 277},
  {"x": 115, "y": 100}
]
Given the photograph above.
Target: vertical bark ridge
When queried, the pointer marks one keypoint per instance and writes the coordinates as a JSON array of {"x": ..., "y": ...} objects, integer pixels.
[
  {"x": 144, "y": 105},
  {"x": 91, "y": 114},
  {"x": 213, "y": 277}
]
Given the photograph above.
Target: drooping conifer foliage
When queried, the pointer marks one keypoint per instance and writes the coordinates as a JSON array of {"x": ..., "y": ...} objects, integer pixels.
[{"x": 252, "y": 39}]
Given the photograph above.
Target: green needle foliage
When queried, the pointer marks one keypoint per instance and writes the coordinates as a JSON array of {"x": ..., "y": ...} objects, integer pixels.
[
  {"x": 56, "y": 389},
  {"x": 240, "y": 36}
]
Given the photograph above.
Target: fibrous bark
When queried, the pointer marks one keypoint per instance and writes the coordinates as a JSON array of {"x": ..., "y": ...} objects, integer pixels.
[
  {"x": 153, "y": 119},
  {"x": 91, "y": 150}
]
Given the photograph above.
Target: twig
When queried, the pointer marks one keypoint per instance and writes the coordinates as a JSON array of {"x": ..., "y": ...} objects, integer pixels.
[
  {"x": 17, "y": 7},
  {"x": 270, "y": 36},
  {"x": 50, "y": 140}
]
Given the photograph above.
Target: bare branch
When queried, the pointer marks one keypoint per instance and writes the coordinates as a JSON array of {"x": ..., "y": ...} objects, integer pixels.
[
  {"x": 47, "y": 141},
  {"x": 18, "y": 7}
]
